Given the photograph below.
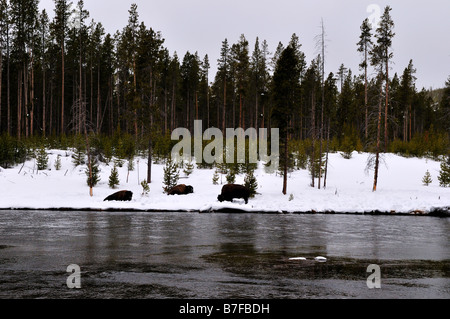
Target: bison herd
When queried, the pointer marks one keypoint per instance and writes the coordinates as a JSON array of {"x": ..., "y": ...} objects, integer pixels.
[{"x": 229, "y": 192}]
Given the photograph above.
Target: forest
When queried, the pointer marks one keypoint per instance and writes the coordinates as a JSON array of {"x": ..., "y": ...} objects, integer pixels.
[{"x": 64, "y": 79}]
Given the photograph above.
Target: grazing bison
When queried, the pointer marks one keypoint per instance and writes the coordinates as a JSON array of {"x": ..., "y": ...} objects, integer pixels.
[
  {"x": 181, "y": 190},
  {"x": 123, "y": 196},
  {"x": 232, "y": 191}
]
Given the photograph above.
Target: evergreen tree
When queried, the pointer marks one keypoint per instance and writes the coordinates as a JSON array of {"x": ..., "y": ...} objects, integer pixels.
[
  {"x": 92, "y": 180},
  {"x": 114, "y": 178},
  {"x": 251, "y": 183},
  {"x": 171, "y": 175},
  {"x": 364, "y": 46},
  {"x": 145, "y": 188},
  {"x": 381, "y": 56},
  {"x": 58, "y": 163},
  {"x": 231, "y": 176},
  {"x": 42, "y": 159},
  {"x": 444, "y": 174},
  {"x": 426, "y": 180},
  {"x": 188, "y": 168},
  {"x": 216, "y": 177},
  {"x": 286, "y": 80},
  {"x": 444, "y": 108},
  {"x": 59, "y": 28}
]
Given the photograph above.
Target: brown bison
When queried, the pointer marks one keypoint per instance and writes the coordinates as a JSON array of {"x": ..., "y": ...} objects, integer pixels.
[
  {"x": 232, "y": 191},
  {"x": 181, "y": 190},
  {"x": 123, "y": 196}
]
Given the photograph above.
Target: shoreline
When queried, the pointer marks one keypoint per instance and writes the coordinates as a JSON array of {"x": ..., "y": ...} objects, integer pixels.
[{"x": 441, "y": 212}]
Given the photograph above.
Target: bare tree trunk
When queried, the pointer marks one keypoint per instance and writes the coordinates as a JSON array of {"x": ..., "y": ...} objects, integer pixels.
[
  {"x": 150, "y": 153},
  {"x": 98, "y": 102},
  {"x": 25, "y": 94},
  {"x": 32, "y": 96},
  {"x": 286, "y": 158},
  {"x": 62, "y": 89},
  {"x": 366, "y": 97},
  {"x": 313, "y": 129},
  {"x": 44, "y": 101},
  {"x": 328, "y": 152},
  {"x": 387, "y": 105},
  {"x": 1, "y": 81},
  {"x": 224, "y": 104},
  {"x": 377, "y": 159},
  {"x": 19, "y": 104}
]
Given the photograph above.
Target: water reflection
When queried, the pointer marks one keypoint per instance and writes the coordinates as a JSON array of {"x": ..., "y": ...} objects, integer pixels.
[{"x": 141, "y": 255}]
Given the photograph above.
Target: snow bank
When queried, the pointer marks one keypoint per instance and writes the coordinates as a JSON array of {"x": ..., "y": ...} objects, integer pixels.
[{"x": 349, "y": 189}]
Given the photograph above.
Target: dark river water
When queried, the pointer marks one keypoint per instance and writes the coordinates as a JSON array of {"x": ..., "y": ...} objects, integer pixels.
[{"x": 222, "y": 256}]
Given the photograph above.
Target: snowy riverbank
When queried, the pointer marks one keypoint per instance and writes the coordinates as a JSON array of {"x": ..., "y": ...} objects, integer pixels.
[{"x": 400, "y": 189}]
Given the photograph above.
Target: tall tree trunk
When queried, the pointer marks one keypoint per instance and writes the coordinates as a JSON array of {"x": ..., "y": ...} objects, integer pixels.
[
  {"x": 8, "y": 84},
  {"x": 328, "y": 152},
  {"x": 150, "y": 153},
  {"x": 285, "y": 166},
  {"x": 25, "y": 94},
  {"x": 19, "y": 104},
  {"x": 92, "y": 96},
  {"x": 44, "y": 101},
  {"x": 313, "y": 130},
  {"x": 98, "y": 102},
  {"x": 224, "y": 115},
  {"x": 387, "y": 105},
  {"x": 366, "y": 97},
  {"x": 32, "y": 96},
  {"x": 377, "y": 158},
  {"x": 1, "y": 81},
  {"x": 62, "y": 129}
]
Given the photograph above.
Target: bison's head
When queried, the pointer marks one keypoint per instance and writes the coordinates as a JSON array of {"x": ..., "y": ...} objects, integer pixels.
[
  {"x": 220, "y": 198},
  {"x": 189, "y": 189}
]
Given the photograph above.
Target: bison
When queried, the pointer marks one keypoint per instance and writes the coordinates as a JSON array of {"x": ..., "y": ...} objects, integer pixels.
[
  {"x": 123, "y": 196},
  {"x": 181, "y": 190},
  {"x": 232, "y": 191}
]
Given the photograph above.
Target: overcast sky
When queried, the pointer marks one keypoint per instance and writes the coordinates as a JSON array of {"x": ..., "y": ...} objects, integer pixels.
[{"x": 422, "y": 28}]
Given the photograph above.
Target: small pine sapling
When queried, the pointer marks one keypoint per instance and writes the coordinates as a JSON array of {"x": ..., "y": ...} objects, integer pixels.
[
  {"x": 58, "y": 163},
  {"x": 426, "y": 180},
  {"x": 231, "y": 176},
  {"x": 215, "y": 178},
  {"x": 42, "y": 159},
  {"x": 92, "y": 182},
  {"x": 251, "y": 183},
  {"x": 188, "y": 168},
  {"x": 114, "y": 178},
  {"x": 145, "y": 188},
  {"x": 171, "y": 175}
]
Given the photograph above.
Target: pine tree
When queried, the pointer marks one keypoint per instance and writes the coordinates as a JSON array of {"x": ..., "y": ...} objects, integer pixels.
[
  {"x": 381, "y": 56},
  {"x": 114, "y": 178},
  {"x": 231, "y": 176},
  {"x": 93, "y": 181},
  {"x": 78, "y": 157},
  {"x": 444, "y": 174},
  {"x": 364, "y": 46},
  {"x": 145, "y": 188},
  {"x": 188, "y": 168},
  {"x": 286, "y": 80},
  {"x": 42, "y": 159},
  {"x": 426, "y": 180},
  {"x": 216, "y": 177},
  {"x": 171, "y": 175},
  {"x": 58, "y": 163},
  {"x": 251, "y": 183}
]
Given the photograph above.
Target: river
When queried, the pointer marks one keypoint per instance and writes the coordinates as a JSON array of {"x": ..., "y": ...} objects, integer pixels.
[{"x": 222, "y": 256}]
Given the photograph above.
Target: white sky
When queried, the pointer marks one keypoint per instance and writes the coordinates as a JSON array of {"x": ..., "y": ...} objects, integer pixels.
[{"x": 422, "y": 28}]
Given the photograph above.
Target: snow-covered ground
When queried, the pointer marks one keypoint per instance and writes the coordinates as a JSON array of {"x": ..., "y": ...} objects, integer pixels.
[{"x": 349, "y": 189}]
